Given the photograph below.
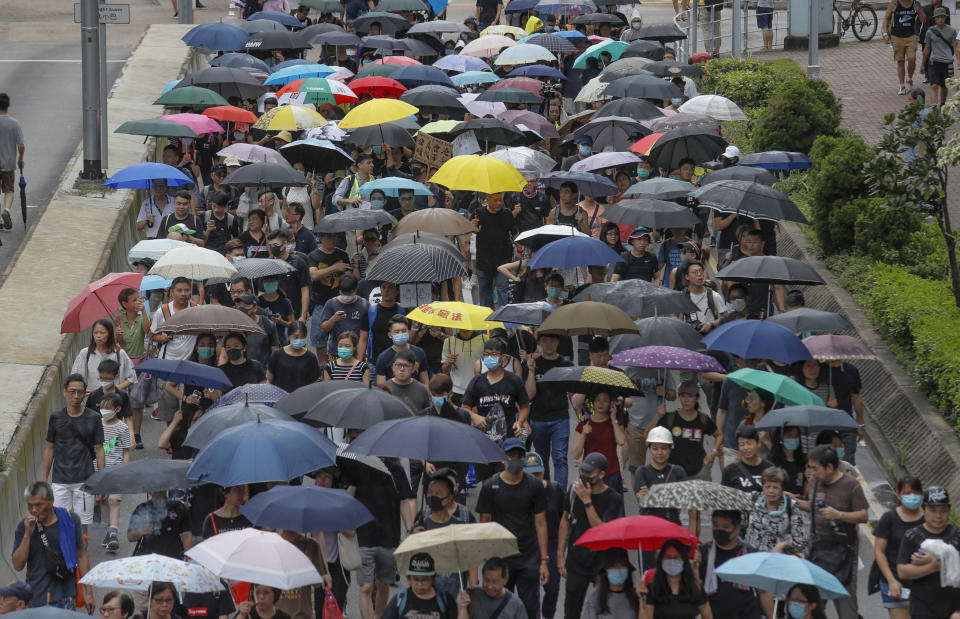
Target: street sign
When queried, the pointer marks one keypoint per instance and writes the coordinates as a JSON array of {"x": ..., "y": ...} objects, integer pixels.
[{"x": 109, "y": 13}]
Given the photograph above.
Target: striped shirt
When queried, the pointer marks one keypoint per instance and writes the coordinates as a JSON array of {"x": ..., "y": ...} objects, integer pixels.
[
  {"x": 339, "y": 372},
  {"x": 116, "y": 438}
]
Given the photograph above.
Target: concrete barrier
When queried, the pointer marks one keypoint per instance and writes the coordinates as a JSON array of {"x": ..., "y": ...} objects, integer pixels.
[{"x": 81, "y": 236}]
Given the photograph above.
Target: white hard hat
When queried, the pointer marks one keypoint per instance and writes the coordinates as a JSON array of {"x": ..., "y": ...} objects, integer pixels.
[
  {"x": 731, "y": 152},
  {"x": 660, "y": 435}
]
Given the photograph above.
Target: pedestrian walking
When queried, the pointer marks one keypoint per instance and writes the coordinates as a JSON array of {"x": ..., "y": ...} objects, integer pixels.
[
  {"x": 160, "y": 526},
  {"x": 922, "y": 552},
  {"x": 548, "y": 407},
  {"x": 493, "y": 599},
  {"x": 893, "y": 526},
  {"x": 614, "y": 596},
  {"x": 11, "y": 157},
  {"x": 900, "y": 25},
  {"x": 939, "y": 49},
  {"x": 727, "y": 599},
  {"x": 674, "y": 590},
  {"x": 116, "y": 450},
  {"x": 777, "y": 524},
  {"x": 15, "y": 596}
]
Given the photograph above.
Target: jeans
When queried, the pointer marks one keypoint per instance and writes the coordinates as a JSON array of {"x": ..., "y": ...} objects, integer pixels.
[
  {"x": 525, "y": 580},
  {"x": 486, "y": 280},
  {"x": 551, "y": 591},
  {"x": 551, "y": 440}
]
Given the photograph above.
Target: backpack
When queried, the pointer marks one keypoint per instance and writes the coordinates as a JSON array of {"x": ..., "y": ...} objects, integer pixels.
[
  {"x": 165, "y": 308},
  {"x": 231, "y": 220},
  {"x": 403, "y": 594}
]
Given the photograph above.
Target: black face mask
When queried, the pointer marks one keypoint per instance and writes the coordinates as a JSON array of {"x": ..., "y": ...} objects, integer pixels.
[
  {"x": 435, "y": 503},
  {"x": 722, "y": 537},
  {"x": 586, "y": 480},
  {"x": 234, "y": 354},
  {"x": 276, "y": 251},
  {"x": 515, "y": 467}
]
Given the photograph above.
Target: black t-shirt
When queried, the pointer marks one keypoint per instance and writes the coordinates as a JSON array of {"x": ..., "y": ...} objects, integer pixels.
[
  {"x": 433, "y": 349},
  {"x": 292, "y": 283},
  {"x": 224, "y": 230},
  {"x": 549, "y": 404},
  {"x": 74, "y": 440},
  {"x": 488, "y": 10},
  {"x": 381, "y": 324},
  {"x": 609, "y": 505},
  {"x": 649, "y": 476},
  {"x": 254, "y": 247},
  {"x": 644, "y": 267},
  {"x": 245, "y": 373},
  {"x": 845, "y": 383},
  {"x": 494, "y": 230},
  {"x": 168, "y": 521},
  {"x": 191, "y": 412},
  {"x": 378, "y": 493},
  {"x": 745, "y": 477},
  {"x": 514, "y": 506},
  {"x": 533, "y": 211},
  {"x": 93, "y": 402},
  {"x": 290, "y": 373},
  {"x": 730, "y": 600},
  {"x": 215, "y": 525},
  {"x": 892, "y": 528},
  {"x": 324, "y": 289},
  {"x": 213, "y": 604},
  {"x": 498, "y": 402},
  {"x": 688, "y": 437},
  {"x": 671, "y": 607},
  {"x": 555, "y": 495},
  {"x": 929, "y": 600},
  {"x": 192, "y": 222},
  {"x": 416, "y": 608}
]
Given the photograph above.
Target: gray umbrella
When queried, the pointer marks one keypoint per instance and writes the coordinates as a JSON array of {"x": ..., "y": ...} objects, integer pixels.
[
  {"x": 654, "y": 214},
  {"x": 806, "y": 319},
  {"x": 390, "y": 23},
  {"x": 746, "y": 198},
  {"x": 255, "y": 268},
  {"x": 332, "y": 37},
  {"x": 357, "y": 408},
  {"x": 301, "y": 400},
  {"x": 438, "y": 25},
  {"x": 384, "y": 133},
  {"x": 266, "y": 175},
  {"x": 416, "y": 262},
  {"x": 616, "y": 131},
  {"x": 223, "y": 418},
  {"x": 659, "y": 331},
  {"x": 216, "y": 319},
  {"x": 683, "y": 119},
  {"x": 639, "y": 298},
  {"x": 254, "y": 26},
  {"x": 740, "y": 173},
  {"x": 773, "y": 269},
  {"x": 225, "y": 81},
  {"x": 660, "y": 188},
  {"x": 353, "y": 219},
  {"x": 642, "y": 87},
  {"x": 140, "y": 476}
]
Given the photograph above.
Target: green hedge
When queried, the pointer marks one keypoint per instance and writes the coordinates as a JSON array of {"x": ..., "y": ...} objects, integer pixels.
[
  {"x": 837, "y": 189},
  {"x": 748, "y": 82},
  {"x": 799, "y": 112}
]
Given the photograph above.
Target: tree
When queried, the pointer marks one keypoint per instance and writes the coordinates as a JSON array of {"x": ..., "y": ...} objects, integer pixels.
[
  {"x": 910, "y": 170},
  {"x": 800, "y": 111}
]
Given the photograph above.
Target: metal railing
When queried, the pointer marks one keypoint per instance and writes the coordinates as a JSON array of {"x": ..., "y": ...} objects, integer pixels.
[{"x": 734, "y": 37}]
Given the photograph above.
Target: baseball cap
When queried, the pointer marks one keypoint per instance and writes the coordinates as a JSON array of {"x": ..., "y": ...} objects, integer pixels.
[
  {"x": 593, "y": 462},
  {"x": 935, "y": 495},
  {"x": 584, "y": 139},
  {"x": 689, "y": 386},
  {"x": 660, "y": 435},
  {"x": 17, "y": 589},
  {"x": 639, "y": 231},
  {"x": 181, "y": 229},
  {"x": 421, "y": 564},
  {"x": 533, "y": 464},
  {"x": 218, "y": 168},
  {"x": 498, "y": 332},
  {"x": 284, "y": 135},
  {"x": 731, "y": 151},
  {"x": 513, "y": 443},
  {"x": 460, "y": 44}
]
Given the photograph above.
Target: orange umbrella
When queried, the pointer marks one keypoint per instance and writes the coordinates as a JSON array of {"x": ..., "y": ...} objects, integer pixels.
[
  {"x": 643, "y": 146},
  {"x": 230, "y": 113},
  {"x": 293, "y": 86}
]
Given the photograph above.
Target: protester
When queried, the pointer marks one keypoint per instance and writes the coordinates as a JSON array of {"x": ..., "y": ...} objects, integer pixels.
[
  {"x": 11, "y": 156},
  {"x": 16, "y": 596},
  {"x": 160, "y": 526},
  {"x": 293, "y": 366},
  {"x": 888, "y": 537},
  {"x": 658, "y": 471},
  {"x": 399, "y": 332},
  {"x": 548, "y": 407},
  {"x": 746, "y": 472},
  {"x": 227, "y": 517},
  {"x": 493, "y": 599},
  {"x": 103, "y": 346},
  {"x": 674, "y": 590},
  {"x": 728, "y": 599},
  {"x": 163, "y": 601},
  {"x": 240, "y": 369},
  {"x": 777, "y": 524},
  {"x": 117, "y": 605},
  {"x": 804, "y": 602},
  {"x": 347, "y": 364}
]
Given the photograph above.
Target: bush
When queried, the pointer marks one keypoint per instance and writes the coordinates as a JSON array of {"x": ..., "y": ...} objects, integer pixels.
[
  {"x": 837, "y": 189},
  {"x": 748, "y": 83},
  {"x": 800, "y": 111},
  {"x": 884, "y": 233}
]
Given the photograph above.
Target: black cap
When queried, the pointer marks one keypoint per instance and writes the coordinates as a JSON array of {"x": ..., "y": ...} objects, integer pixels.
[
  {"x": 421, "y": 564},
  {"x": 348, "y": 283},
  {"x": 147, "y": 262},
  {"x": 218, "y": 168},
  {"x": 595, "y": 461},
  {"x": 936, "y": 495},
  {"x": 247, "y": 299}
]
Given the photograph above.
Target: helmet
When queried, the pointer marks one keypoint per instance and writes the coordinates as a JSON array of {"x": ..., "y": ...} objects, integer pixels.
[
  {"x": 660, "y": 435},
  {"x": 935, "y": 495}
]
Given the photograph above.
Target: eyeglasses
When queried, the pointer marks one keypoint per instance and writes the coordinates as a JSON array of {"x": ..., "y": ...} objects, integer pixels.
[{"x": 402, "y": 366}]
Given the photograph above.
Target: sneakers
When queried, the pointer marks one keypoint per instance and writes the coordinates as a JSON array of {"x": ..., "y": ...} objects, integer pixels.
[
  {"x": 106, "y": 539},
  {"x": 138, "y": 441},
  {"x": 7, "y": 220},
  {"x": 155, "y": 414},
  {"x": 200, "y": 6},
  {"x": 112, "y": 544},
  {"x": 903, "y": 90},
  {"x": 910, "y": 83}
]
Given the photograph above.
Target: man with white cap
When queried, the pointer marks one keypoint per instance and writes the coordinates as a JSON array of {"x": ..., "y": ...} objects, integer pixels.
[
  {"x": 730, "y": 156},
  {"x": 658, "y": 471}
]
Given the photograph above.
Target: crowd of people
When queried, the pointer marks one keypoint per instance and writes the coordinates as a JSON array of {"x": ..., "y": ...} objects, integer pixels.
[{"x": 575, "y": 457}]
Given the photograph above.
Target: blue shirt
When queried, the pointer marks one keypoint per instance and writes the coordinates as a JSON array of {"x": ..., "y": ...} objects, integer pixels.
[
  {"x": 355, "y": 321},
  {"x": 306, "y": 240}
]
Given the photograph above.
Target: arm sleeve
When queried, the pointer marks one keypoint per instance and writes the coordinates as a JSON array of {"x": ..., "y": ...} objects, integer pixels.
[
  {"x": 858, "y": 500},
  {"x": 126, "y": 368},
  {"x": 340, "y": 192},
  {"x": 485, "y": 500},
  {"x": 885, "y": 526},
  {"x": 470, "y": 393}
]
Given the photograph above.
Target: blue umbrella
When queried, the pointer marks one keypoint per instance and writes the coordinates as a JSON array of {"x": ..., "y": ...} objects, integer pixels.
[
  {"x": 262, "y": 451},
  {"x": 240, "y": 61},
  {"x": 182, "y": 371},
  {"x": 474, "y": 77},
  {"x": 571, "y": 34},
  {"x": 253, "y": 393},
  {"x": 392, "y": 185},
  {"x": 813, "y": 418},
  {"x": 169, "y": 86},
  {"x": 427, "y": 437},
  {"x": 587, "y": 184},
  {"x": 778, "y": 572},
  {"x": 289, "y": 74},
  {"x": 154, "y": 282},
  {"x": 438, "y": 6},
  {"x": 421, "y": 75},
  {"x": 306, "y": 509},
  {"x": 215, "y": 421},
  {"x": 537, "y": 70},
  {"x": 757, "y": 339},
  {"x": 574, "y": 251},
  {"x": 776, "y": 160},
  {"x": 289, "y": 63},
  {"x": 141, "y": 175},
  {"x": 281, "y": 18},
  {"x": 217, "y": 37},
  {"x": 565, "y": 7},
  {"x": 461, "y": 63}
]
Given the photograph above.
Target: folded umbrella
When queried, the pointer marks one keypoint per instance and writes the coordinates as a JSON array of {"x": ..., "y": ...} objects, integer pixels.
[
  {"x": 636, "y": 532},
  {"x": 778, "y": 572},
  {"x": 696, "y": 494},
  {"x": 772, "y": 269},
  {"x": 588, "y": 318},
  {"x": 353, "y": 219},
  {"x": 589, "y": 379},
  {"x": 357, "y": 408},
  {"x": 783, "y": 389},
  {"x": 660, "y": 188},
  {"x": 750, "y": 199},
  {"x": 666, "y": 358},
  {"x": 459, "y": 547},
  {"x": 529, "y": 314},
  {"x": 659, "y": 331},
  {"x": 739, "y": 173},
  {"x": 267, "y": 175},
  {"x": 807, "y": 319},
  {"x": 638, "y": 298},
  {"x": 776, "y": 160},
  {"x": 254, "y": 153},
  {"x": 260, "y": 557},
  {"x": 192, "y": 262},
  {"x": 654, "y": 214},
  {"x": 140, "y": 476},
  {"x": 182, "y": 371},
  {"x": 629, "y": 107},
  {"x": 254, "y": 393},
  {"x": 694, "y": 143},
  {"x": 757, "y": 339},
  {"x": 573, "y": 252},
  {"x": 316, "y": 154},
  {"x": 97, "y": 300},
  {"x": 301, "y": 400},
  {"x": 416, "y": 262},
  {"x": 215, "y": 421},
  {"x": 811, "y": 417},
  {"x": 306, "y": 509},
  {"x": 833, "y": 347},
  {"x": 427, "y": 437}
]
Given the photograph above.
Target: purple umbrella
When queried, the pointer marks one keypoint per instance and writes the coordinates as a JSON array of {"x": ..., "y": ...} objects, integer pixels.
[
  {"x": 667, "y": 358},
  {"x": 538, "y": 123},
  {"x": 837, "y": 348},
  {"x": 601, "y": 161}
]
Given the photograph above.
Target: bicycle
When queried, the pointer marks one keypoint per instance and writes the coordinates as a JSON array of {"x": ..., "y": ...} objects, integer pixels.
[{"x": 861, "y": 18}]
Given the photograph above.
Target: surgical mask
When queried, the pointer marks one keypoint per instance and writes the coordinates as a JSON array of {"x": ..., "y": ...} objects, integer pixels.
[
  {"x": 636, "y": 24},
  {"x": 554, "y": 292},
  {"x": 722, "y": 537},
  {"x": 107, "y": 414},
  {"x": 238, "y": 136},
  {"x": 585, "y": 149},
  {"x": 376, "y": 203},
  {"x": 618, "y": 576},
  {"x": 438, "y": 400},
  {"x": 435, "y": 503},
  {"x": 791, "y": 443},
  {"x": 291, "y": 247},
  {"x": 237, "y": 259},
  {"x": 107, "y": 384},
  {"x": 841, "y": 452},
  {"x": 515, "y": 467},
  {"x": 911, "y": 501},
  {"x": 643, "y": 173},
  {"x": 348, "y": 298},
  {"x": 377, "y": 150},
  {"x": 344, "y": 353},
  {"x": 797, "y": 610},
  {"x": 448, "y": 52},
  {"x": 299, "y": 344},
  {"x": 206, "y": 352},
  {"x": 401, "y": 338},
  {"x": 270, "y": 287},
  {"x": 676, "y": 101},
  {"x": 673, "y": 567},
  {"x": 276, "y": 251},
  {"x": 491, "y": 363},
  {"x": 234, "y": 354}
]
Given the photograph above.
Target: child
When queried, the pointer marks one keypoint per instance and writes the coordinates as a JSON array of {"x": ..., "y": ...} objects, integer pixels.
[
  {"x": 108, "y": 370},
  {"x": 116, "y": 447}
]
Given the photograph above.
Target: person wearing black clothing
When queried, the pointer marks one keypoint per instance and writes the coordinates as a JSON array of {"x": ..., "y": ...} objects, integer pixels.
[
  {"x": 674, "y": 592},
  {"x": 495, "y": 229},
  {"x": 843, "y": 378},
  {"x": 227, "y": 517},
  {"x": 658, "y": 471},
  {"x": 555, "y": 496},
  {"x": 259, "y": 346},
  {"x": 888, "y": 537},
  {"x": 548, "y": 407},
  {"x": 160, "y": 526},
  {"x": 295, "y": 285},
  {"x": 441, "y": 390},
  {"x": 518, "y": 502},
  {"x": 747, "y": 472},
  {"x": 928, "y": 598},
  {"x": 293, "y": 366},
  {"x": 240, "y": 370},
  {"x": 213, "y": 605},
  {"x": 727, "y": 599},
  {"x": 590, "y": 503},
  {"x": 218, "y": 225},
  {"x": 530, "y": 206},
  {"x": 637, "y": 263},
  {"x": 488, "y": 12}
]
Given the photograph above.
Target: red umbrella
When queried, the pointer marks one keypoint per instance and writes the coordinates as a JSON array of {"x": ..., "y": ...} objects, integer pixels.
[
  {"x": 534, "y": 121},
  {"x": 523, "y": 83},
  {"x": 643, "y": 146},
  {"x": 643, "y": 532},
  {"x": 832, "y": 347},
  {"x": 378, "y": 87},
  {"x": 230, "y": 113},
  {"x": 293, "y": 86},
  {"x": 401, "y": 61},
  {"x": 97, "y": 300}
]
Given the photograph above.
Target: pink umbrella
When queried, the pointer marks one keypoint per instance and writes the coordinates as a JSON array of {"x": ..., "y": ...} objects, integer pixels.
[
  {"x": 198, "y": 122},
  {"x": 597, "y": 39},
  {"x": 402, "y": 61},
  {"x": 97, "y": 300},
  {"x": 523, "y": 83},
  {"x": 837, "y": 348},
  {"x": 254, "y": 153},
  {"x": 341, "y": 74}
]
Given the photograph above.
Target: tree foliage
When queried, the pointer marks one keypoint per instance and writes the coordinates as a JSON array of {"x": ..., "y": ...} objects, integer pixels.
[
  {"x": 837, "y": 188},
  {"x": 800, "y": 111}
]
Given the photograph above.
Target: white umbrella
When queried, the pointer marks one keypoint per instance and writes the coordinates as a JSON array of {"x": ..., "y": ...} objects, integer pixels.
[
  {"x": 258, "y": 557},
  {"x": 551, "y": 231},
  {"x": 458, "y": 547},
  {"x": 481, "y": 108},
  {"x": 525, "y": 159},
  {"x": 488, "y": 46},
  {"x": 139, "y": 573},
  {"x": 153, "y": 249},
  {"x": 524, "y": 53},
  {"x": 714, "y": 106},
  {"x": 193, "y": 262},
  {"x": 593, "y": 91}
]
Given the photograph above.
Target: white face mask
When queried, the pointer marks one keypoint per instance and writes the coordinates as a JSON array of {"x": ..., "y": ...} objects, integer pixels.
[{"x": 107, "y": 414}]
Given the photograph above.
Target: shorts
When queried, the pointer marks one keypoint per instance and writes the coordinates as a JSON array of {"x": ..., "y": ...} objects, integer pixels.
[
  {"x": 636, "y": 446},
  {"x": 378, "y": 564},
  {"x": 764, "y": 17},
  {"x": 6, "y": 181},
  {"x": 71, "y": 497},
  {"x": 904, "y": 48},
  {"x": 938, "y": 72},
  {"x": 889, "y": 602}
]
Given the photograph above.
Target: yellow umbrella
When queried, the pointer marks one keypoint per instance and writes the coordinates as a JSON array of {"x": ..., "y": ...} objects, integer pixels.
[
  {"x": 375, "y": 112},
  {"x": 509, "y": 31},
  {"x": 454, "y": 315},
  {"x": 478, "y": 173},
  {"x": 290, "y": 118}
]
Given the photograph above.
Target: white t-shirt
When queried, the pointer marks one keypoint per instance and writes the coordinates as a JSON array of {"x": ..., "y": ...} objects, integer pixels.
[
  {"x": 467, "y": 351},
  {"x": 703, "y": 305},
  {"x": 181, "y": 346},
  {"x": 150, "y": 207}
]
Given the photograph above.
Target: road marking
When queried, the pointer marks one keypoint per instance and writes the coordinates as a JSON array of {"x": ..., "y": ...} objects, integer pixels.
[{"x": 67, "y": 60}]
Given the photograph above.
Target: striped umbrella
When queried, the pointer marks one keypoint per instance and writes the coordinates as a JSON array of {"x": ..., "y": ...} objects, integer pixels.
[
  {"x": 255, "y": 268},
  {"x": 317, "y": 90},
  {"x": 416, "y": 262}
]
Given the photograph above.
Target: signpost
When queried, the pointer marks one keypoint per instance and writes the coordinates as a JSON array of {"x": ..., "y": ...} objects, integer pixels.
[{"x": 109, "y": 13}]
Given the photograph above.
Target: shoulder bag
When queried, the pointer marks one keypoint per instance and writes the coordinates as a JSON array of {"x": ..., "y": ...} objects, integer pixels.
[
  {"x": 349, "y": 548},
  {"x": 835, "y": 557}
]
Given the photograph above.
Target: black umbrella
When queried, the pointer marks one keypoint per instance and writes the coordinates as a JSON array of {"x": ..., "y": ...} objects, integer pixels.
[
  {"x": 750, "y": 199},
  {"x": 266, "y": 175},
  {"x": 639, "y": 298},
  {"x": 390, "y": 23},
  {"x": 659, "y": 331},
  {"x": 772, "y": 269},
  {"x": 309, "y": 32},
  {"x": 416, "y": 262},
  {"x": 225, "y": 81},
  {"x": 530, "y": 314},
  {"x": 694, "y": 143},
  {"x": 629, "y": 107},
  {"x": 333, "y": 37},
  {"x": 665, "y": 33},
  {"x": 23, "y": 197},
  {"x": 625, "y": 67},
  {"x": 354, "y": 219},
  {"x": 653, "y": 214},
  {"x": 644, "y": 49},
  {"x": 384, "y": 42},
  {"x": 433, "y": 102},
  {"x": 316, "y": 155},
  {"x": 260, "y": 25},
  {"x": 491, "y": 130},
  {"x": 256, "y": 268},
  {"x": 739, "y": 173},
  {"x": 587, "y": 184},
  {"x": 434, "y": 88},
  {"x": 669, "y": 68},
  {"x": 553, "y": 43},
  {"x": 223, "y": 418},
  {"x": 588, "y": 379},
  {"x": 616, "y": 131},
  {"x": 416, "y": 47},
  {"x": 596, "y": 19},
  {"x": 806, "y": 319},
  {"x": 683, "y": 119},
  {"x": 642, "y": 87},
  {"x": 357, "y": 408},
  {"x": 301, "y": 400},
  {"x": 139, "y": 477},
  {"x": 509, "y": 95},
  {"x": 384, "y": 133},
  {"x": 279, "y": 39}
]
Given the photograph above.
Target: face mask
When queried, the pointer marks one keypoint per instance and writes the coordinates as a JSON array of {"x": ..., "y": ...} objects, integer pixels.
[
  {"x": 205, "y": 352},
  {"x": 554, "y": 292},
  {"x": 635, "y": 25},
  {"x": 448, "y": 52},
  {"x": 491, "y": 363},
  {"x": 797, "y": 610},
  {"x": 377, "y": 150},
  {"x": 618, "y": 576},
  {"x": 348, "y": 298},
  {"x": 515, "y": 467},
  {"x": 643, "y": 173},
  {"x": 107, "y": 414},
  {"x": 107, "y": 384},
  {"x": 550, "y": 28},
  {"x": 291, "y": 247},
  {"x": 401, "y": 338},
  {"x": 585, "y": 479},
  {"x": 791, "y": 443},
  {"x": 299, "y": 344},
  {"x": 673, "y": 567},
  {"x": 438, "y": 400},
  {"x": 237, "y": 259},
  {"x": 722, "y": 537},
  {"x": 276, "y": 251},
  {"x": 376, "y": 203},
  {"x": 585, "y": 150},
  {"x": 435, "y": 503},
  {"x": 344, "y": 353},
  {"x": 238, "y": 136},
  {"x": 841, "y": 452},
  {"x": 911, "y": 501},
  {"x": 676, "y": 101},
  {"x": 234, "y": 354},
  {"x": 271, "y": 287}
]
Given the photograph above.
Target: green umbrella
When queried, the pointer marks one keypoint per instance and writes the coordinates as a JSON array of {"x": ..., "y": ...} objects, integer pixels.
[
  {"x": 157, "y": 127},
  {"x": 784, "y": 390},
  {"x": 392, "y": 6},
  {"x": 378, "y": 70},
  {"x": 614, "y": 48},
  {"x": 191, "y": 96},
  {"x": 324, "y": 6}
]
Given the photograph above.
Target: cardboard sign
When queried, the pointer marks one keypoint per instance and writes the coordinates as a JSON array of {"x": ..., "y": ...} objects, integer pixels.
[{"x": 432, "y": 151}]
